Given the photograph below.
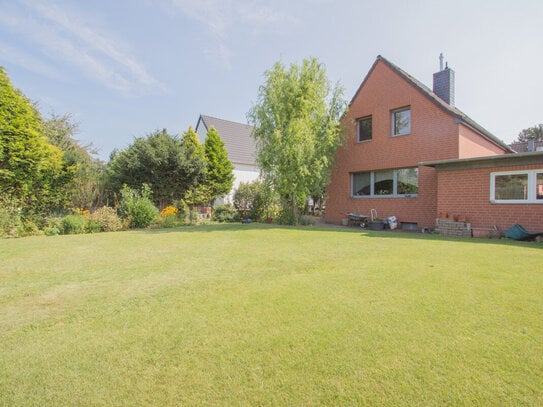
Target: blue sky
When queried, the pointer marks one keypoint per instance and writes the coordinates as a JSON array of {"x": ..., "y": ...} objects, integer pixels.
[{"x": 124, "y": 68}]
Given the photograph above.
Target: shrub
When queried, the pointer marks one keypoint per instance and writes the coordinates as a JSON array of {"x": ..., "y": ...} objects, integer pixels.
[
  {"x": 106, "y": 219},
  {"x": 168, "y": 217},
  {"x": 92, "y": 227},
  {"x": 306, "y": 220},
  {"x": 169, "y": 211},
  {"x": 10, "y": 219},
  {"x": 286, "y": 216},
  {"x": 51, "y": 231},
  {"x": 82, "y": 211},
  {"x": 74, "y": 224},
  {"x": 137, "y": 206},
  {"x": 29, "y": 228},
  {"x": 193, "y": 216},
  {"x": 224, "y": 213}
]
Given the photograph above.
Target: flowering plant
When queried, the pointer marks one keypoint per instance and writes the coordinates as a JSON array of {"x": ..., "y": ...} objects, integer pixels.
[
  {"x": 169, "y": 211},
  {"x": 82, "y": 211}
]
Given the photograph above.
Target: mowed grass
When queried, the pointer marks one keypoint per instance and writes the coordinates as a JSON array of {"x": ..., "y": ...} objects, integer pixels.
[{"x": 263, "y": 315}]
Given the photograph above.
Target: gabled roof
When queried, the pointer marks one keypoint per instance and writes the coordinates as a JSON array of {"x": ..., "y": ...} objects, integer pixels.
[
  {"x": 456, "y": 113},
  {"x": 237, "y": 138}
]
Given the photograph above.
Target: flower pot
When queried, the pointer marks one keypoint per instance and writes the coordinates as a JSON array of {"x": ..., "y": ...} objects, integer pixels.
[{"x": 376, "y": 225}]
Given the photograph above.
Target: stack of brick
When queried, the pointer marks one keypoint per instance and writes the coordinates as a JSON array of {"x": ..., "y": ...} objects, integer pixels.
[{"x": 449, "y": 227}]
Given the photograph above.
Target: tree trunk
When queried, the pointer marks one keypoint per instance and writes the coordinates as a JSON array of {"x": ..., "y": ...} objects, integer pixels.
[{"x": 295, "y": 213}]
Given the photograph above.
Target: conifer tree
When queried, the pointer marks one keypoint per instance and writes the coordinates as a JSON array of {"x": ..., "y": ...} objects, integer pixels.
[{"x": 219, "y": 169}]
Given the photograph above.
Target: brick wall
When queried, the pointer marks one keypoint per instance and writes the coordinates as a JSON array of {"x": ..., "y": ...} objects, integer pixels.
[
  {"x": 471, "y": 144},
  {"x": 467, "y": 192},
  {"x": 434, "y": 136}
]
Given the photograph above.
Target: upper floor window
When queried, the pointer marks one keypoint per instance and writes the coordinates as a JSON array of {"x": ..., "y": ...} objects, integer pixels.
[
  {"x": 401, "y": 121},
  {"x": 516, "y": 187},
  {"x": 364, "y": 129}
]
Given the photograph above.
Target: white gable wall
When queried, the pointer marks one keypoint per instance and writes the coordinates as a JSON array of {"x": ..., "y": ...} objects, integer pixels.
[
  {"x": 239, "y": 146},
  {"x": 242, "y": 173}
]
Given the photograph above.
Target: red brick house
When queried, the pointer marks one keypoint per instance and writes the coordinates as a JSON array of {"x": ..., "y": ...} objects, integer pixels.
[{"x": 401, "y": 140}]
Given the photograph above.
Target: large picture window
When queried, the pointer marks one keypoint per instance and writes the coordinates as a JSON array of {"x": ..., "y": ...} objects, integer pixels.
[
  {"x": 401, "y": 121},
  {"x": 516, "y": 187},
  {"x": 386, "y": 183}
]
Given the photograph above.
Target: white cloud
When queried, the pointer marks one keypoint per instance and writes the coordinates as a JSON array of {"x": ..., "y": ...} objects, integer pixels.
[
  {"x": 222, "y": 17},
  {"x": 27, "y": 61},
  {"x": 66, "y": 36}
]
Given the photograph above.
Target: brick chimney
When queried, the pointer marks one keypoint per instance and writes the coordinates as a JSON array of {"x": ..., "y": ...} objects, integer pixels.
[{"x": 444, "y": 82}]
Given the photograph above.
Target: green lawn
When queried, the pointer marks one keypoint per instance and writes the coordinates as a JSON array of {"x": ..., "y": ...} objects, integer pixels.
[{"x": 263, "y": 315}]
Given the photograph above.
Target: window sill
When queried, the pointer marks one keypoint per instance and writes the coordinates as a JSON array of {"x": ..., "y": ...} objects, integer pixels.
[
  {"x": 517, "y": 202},
  {"x": 385, "y": 196}
]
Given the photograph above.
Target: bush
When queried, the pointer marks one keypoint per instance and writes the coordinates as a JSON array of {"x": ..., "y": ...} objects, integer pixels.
[
  {"x": 10, "y": 219},
  {"x": 74, "y": 224},
  {"x": 169, "y": 211},
  {"x": 286, "y": 216},
  {"x": 137, "y": 207},
  {"x": 224, "y": 213},
  {"x": 29, "y": 228},
  {"x": 254, "y": 200},
  {"x": 306, "y": 220},
  {"x": 193, "y": 216},
  {"x": 92, "y": 227},
  {"x": 106, "y": 219},
  {"x": 52, "y": 226},
  {"x": 168, "y": 217},
  {"x": 51, "y": 231}
]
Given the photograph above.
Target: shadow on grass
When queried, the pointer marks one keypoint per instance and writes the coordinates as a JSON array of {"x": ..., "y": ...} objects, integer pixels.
[
  {"x": 399, "y": 234},
  {"x": 387, "y": 234}
]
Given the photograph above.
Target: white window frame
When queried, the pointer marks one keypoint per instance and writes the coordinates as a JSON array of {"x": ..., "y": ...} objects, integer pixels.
[
  {"x": 372, "y": 185},
  {"x": 393, "y": 121},
  {"x": 531, "y": 184}
]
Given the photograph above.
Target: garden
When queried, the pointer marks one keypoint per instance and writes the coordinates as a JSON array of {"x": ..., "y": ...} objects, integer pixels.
[{"x": 262, "y": 314}]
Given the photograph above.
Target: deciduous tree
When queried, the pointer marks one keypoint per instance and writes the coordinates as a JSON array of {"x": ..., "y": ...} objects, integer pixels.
[
  {"x": 297, "y": 130},
  {"x": 87, "y": 186},
  {"x": 531, "y": 133},
  {"x": 32, "y": 170}
]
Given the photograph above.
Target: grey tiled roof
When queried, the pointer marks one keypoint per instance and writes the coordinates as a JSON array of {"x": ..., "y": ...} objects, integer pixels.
[
  {"x": 457, "y": 113},
  {"x": 236, "y": 137},
  {"x": 522, "y": 147}
]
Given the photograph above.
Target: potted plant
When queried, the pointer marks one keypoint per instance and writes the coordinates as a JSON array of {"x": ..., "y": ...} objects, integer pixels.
[{"x": 376, "y": 224}]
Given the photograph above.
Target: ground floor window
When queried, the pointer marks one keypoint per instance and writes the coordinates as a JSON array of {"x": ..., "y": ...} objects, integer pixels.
[
  {"x": 395, "y": 182},
  {"x": 516, "y": 187}
]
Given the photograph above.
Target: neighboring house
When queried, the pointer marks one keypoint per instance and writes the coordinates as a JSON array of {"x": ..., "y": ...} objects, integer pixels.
[
  {"x": 240, "y": 145},
  {"x": 527, "y": 146},
  {"x": 410, "y": 153}
]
